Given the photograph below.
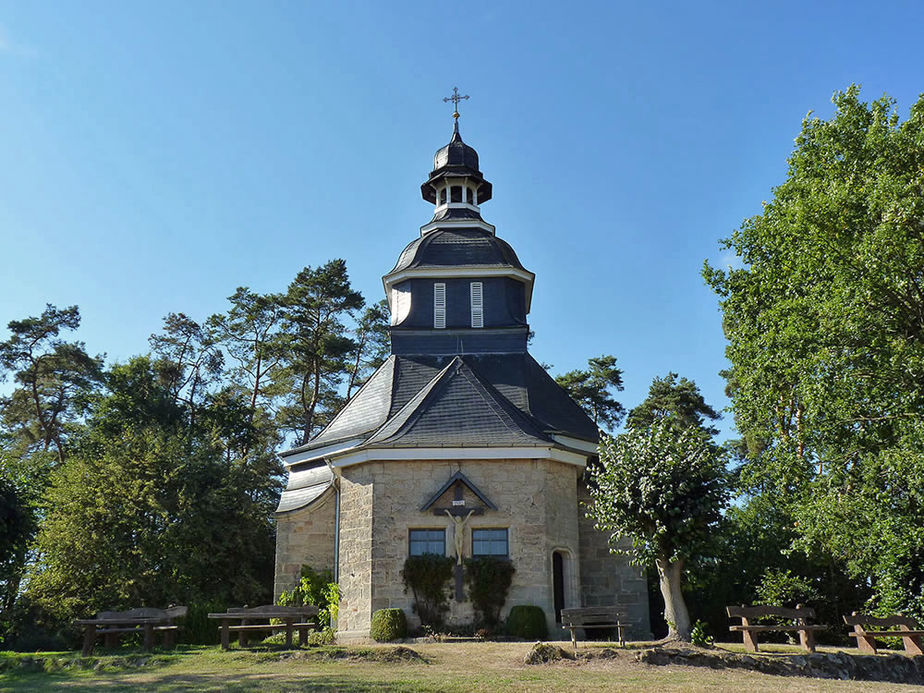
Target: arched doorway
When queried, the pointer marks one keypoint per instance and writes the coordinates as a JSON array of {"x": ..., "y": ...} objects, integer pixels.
[{"x": 561, "y": 581}]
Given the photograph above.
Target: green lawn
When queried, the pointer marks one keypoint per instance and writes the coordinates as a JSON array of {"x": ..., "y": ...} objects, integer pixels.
[{"x": 467, "y": 666}]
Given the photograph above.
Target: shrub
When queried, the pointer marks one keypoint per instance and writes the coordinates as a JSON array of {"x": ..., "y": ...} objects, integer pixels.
[
  {"x": 197, "y": 628},
  {"x": 527, "y": 622},
  {"x": 700, "y": 636},
  {"x": 388, "y": 625},
  {"x": 319, "y": 589},
  {"x": 427, "y": 577},
  {"x": 488, "y": 579}
]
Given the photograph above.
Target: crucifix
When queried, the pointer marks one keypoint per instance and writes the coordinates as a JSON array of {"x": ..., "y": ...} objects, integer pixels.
[{"x": 455, "y": 98}]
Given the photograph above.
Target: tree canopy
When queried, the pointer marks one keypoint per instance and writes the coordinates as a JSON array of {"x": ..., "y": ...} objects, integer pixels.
[
  {"x": 593, "y": 389},
  {"x": 825, "y": 325},
  {"x": 138, "y": 483},
  {"x": 664, "y": 488}
]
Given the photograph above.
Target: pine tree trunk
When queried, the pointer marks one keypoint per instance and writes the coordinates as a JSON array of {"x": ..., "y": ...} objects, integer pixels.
[{"x": 675, "y": 608}]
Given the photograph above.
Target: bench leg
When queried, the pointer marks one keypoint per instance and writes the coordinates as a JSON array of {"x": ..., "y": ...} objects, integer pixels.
[
  {"x": 89, "y": 639},
  {"x": 750, "y": 641},
  {"x": 148, "y": 636},
  {"x": 573, "y": 638},
  {"x": 111, "y": 640},
  {"x": 866, "y": 644},
  {"x": 303, "y": 636},
  {"x": 807, "y": 640},
  {"x": 288, "y": 635},
  {"x": 242, "y": 638},
  {"x": 912, "y": 644},
  {"x": 225, "y": 636},
  {"x": 169, "y": 639},
  {"x": 620, "y": 634}
]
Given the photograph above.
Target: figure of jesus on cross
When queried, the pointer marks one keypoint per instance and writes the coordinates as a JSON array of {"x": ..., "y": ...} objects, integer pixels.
[{"x": 458, "y": 536}]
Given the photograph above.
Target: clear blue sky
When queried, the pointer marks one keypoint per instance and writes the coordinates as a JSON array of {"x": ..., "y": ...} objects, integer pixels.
[{"x": 154, "y": 156}]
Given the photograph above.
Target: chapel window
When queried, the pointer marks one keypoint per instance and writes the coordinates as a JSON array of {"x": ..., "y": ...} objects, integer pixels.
[
  {"x": 439, "y": 305},
  {"x": 456, "y": 193},
  {"x": 421, "y": 541},
  {"x": 490, "y": 542},
  {"x": 477, "y": 304},
  {"x": 442, "y": 194}
]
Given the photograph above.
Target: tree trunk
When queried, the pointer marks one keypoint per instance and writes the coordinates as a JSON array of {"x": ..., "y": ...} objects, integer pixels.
[{"x": 675, "y": 609}]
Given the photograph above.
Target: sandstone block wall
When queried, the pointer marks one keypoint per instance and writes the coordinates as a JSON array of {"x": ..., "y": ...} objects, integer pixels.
[
  {"x": 536, "y": 501},
  {"x": 607, "y": 578},
  {"x": 356, "y": 508},
  {"x": 304, "y": 537}
]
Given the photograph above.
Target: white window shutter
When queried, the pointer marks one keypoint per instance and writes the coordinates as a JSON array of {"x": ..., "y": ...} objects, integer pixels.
[
  {"x": 439, "y": 305},
  {"x": 477, "y": 305}
]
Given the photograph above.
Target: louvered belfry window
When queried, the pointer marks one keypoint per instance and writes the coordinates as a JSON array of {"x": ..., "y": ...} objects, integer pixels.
[
  {"x": 477, "y": 305},
  {"x": 439, "y": 305}
]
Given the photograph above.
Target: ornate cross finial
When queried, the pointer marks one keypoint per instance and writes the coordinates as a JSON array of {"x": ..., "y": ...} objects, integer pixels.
[{"x": 455, "y": 98}]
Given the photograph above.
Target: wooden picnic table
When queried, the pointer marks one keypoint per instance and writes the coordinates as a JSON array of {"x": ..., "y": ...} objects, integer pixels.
[
  {"x": 292, "y": 617},
  {"x": 112, "y": 625}
]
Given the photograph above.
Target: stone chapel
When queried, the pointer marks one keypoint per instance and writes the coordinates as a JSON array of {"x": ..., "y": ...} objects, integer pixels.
[{"x": 460, "y": 441}]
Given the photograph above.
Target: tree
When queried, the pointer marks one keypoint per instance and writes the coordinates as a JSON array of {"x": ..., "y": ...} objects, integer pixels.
[
  {"x": 318, "y": 348},
  {"x": 593, "y": 390},
  {"x": 50, "y": 375},
  {"x": 251, "y": 333},
  {"x": 664, "y": 488},
  {"x": 373, "y": 344},
  {"x": 677, "y": 400},
  {"x": 147, "y": 509},
  {"x": 825, "y": 324}
]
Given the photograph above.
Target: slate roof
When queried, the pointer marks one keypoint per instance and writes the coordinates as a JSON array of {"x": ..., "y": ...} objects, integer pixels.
[
  {"x": 457, "y": 248},
  {"x": 479, "y": 400}
]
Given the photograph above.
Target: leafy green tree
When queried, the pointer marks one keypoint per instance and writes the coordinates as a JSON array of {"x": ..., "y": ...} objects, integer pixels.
[
  {"x": 664, "y": 488},
  {"x": 825, "y": 324},
  {"x": 189, "y": 360},
  {"x": 677, "y": 400},
  {"x": 593, "y": 389},
  {"x": 373, "y": 345},
  {"x": 148, "y": 509},
  {"x": 251, "y": 333},
  {"x": 318, "y": 304},
  {"x": 50, "y": 375}
]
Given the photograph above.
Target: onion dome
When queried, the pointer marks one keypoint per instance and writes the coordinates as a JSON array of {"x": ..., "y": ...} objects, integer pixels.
[{"x": 455, "y": 161}]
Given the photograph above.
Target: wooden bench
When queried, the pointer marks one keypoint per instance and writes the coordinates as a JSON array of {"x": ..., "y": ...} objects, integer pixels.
[
  {"x": 588, "y": 617},
  {"x": 898, "y": 626},
  {"x": 112, "y": 625},
  {"x": 293, "y": 618},
  {"x": 800, "y": 616}
]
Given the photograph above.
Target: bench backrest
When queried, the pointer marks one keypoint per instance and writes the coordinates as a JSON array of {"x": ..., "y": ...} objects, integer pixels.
[
  {"x": 169, "y": 613},
  {"x": 592, "y": 614},
  {"x": 309, "y": 610},
  {"x": 748, "y": 612},
  {"x": 895, "y": 621},
  {"x": 143, "y": 612}
]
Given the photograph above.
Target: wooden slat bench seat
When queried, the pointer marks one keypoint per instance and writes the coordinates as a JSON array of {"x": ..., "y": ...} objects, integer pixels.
[
  {"x": 294, "y": 618},
  {"x": 589, "y": 617},
  {"x": 895, "y": 626},
  {"x": 112, "y": 625},
  {"x": 800, "y": 617}
]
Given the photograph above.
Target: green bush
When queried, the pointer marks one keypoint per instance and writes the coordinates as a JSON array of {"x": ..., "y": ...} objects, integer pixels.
[
  {"x": 388, "y": 625},
  {"x": 197, "y": 628},
  {"x": 316, "y": 588},
  {"x": 488, "y": 579},
  {"x": 527, "y": 622},
  {"x": 427, "y": 577}
]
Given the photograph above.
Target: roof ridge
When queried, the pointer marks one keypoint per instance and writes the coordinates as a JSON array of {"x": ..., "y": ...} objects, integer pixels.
[
  {"x": 414, "y": 405},
  {"x": 508, "y": 407}
]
